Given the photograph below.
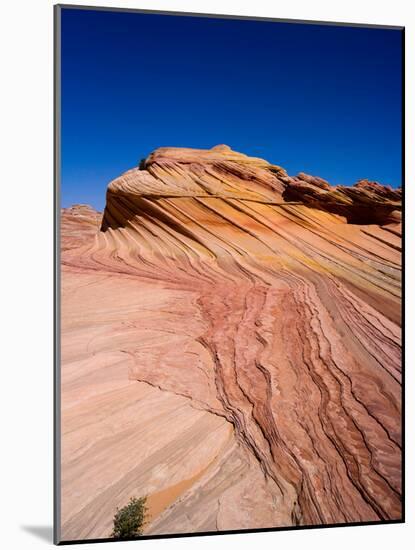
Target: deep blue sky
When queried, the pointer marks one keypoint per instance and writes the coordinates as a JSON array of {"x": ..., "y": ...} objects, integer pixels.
[{"x": 320, "y": 99}]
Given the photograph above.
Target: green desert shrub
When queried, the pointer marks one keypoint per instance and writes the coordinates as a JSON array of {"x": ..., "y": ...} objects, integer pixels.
[{"x": 130, "y": 520}]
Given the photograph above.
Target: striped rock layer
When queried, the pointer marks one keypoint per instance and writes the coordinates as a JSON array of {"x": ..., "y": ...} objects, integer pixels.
[{"x": 231, "y": 349}]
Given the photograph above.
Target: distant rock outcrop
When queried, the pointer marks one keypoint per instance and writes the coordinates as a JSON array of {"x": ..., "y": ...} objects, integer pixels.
[
  {"x": 79, "y": 223},
  {"x": 232, "y": 348},
  {"x": 367, "y": 202}
]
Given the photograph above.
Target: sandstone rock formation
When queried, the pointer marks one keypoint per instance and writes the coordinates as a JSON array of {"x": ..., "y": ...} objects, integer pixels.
[
  {"x": 79, "y": 223},
  {"x": 231, "y": 348}
]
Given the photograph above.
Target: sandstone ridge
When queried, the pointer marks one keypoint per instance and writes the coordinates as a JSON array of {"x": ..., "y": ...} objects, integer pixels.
[{"x": 231, "y": 341}]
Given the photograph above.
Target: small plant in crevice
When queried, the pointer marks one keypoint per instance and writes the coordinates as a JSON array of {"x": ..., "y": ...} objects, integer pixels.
[{"x": 129, "y": 521}]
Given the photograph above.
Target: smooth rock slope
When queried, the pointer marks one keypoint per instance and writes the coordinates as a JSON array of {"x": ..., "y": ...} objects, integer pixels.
[{"x": 231, "y": 348}]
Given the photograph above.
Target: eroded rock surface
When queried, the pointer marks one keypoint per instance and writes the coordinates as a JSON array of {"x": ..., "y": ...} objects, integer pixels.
[
  {"x": 231, "y": 348},
  {"x": 79, "y": 225}
]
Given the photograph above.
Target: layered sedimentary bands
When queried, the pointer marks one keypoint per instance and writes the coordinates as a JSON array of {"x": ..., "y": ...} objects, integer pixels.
[{"x": 231, "y": 348}]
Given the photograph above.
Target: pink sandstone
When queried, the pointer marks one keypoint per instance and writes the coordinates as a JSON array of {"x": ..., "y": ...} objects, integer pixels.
[{"x": 231, "y": 348}]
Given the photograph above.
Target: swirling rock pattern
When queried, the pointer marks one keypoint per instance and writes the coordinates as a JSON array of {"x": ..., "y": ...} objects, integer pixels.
[{"x": 231, "y": 347}]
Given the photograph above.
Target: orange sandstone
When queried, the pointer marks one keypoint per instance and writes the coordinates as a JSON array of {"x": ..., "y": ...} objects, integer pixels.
[{"x": 231, "y": 348}]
